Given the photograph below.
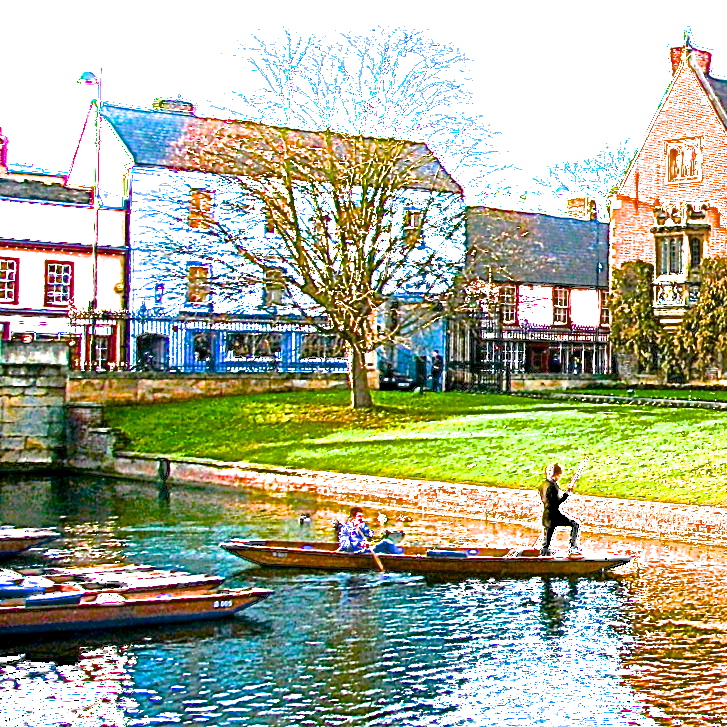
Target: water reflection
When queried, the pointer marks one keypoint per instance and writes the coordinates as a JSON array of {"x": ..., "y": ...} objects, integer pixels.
[{"x": 365, "y": 649}]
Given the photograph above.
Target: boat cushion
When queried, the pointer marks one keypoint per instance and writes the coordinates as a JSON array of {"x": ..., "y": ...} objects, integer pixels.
[
  {"x": 446, "y": 554},
  {"x": 54, "y": 599}
]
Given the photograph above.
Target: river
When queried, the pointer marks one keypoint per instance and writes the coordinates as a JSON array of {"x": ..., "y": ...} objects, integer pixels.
[{"x": 645, "y": 647}]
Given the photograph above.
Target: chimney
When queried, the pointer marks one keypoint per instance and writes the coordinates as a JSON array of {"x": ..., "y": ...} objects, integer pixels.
[
  {"x": 174, "y": 105},
  {"x": 702, "y": 58},
  {"x": 582, "y": 208}
]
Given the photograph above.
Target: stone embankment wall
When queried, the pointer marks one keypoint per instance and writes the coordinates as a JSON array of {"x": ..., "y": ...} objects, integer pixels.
[
  {"x": 32, "y": 404},
  {"x": 140, "y": 388},
  {"x": 691, "y": 523}
]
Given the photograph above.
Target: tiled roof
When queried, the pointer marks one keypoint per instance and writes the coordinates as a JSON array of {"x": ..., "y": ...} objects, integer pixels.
[
  {"x": 187, "y": 142},
  {"x": 30, "y": 189},
  {"x": 527, "y": 247},
  {"x": 719, "y": 86}
]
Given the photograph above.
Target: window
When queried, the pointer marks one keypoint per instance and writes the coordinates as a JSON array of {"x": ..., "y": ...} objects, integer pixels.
[
  {"x": 269, "y": 223},
  {"x": 274, "y": 287},
  {"x": 695, "y": 252},
  {"x": 683, "y": 160},
  {"x": 58, "y": 283},
  {"x": 561, "y": 306},
  {"x": 669, "y": 252},
  {"x": 200, "y": 209},
  {"x": 508, "y": 304},
  {"x": 254, "y": 345},
  {"x": 101, "y": 352},
  {"x": 605, "y": 319},
  {"x": 198, "y": 284},
  {"x": 413, "y": 221},
  {"x": 322, "y": 345},
  {"x": 159, "y": 294},
  {"x": 8, "y": 280}
]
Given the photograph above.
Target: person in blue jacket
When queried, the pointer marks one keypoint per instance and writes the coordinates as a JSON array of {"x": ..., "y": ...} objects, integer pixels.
[{"x": 355, "y": 536}]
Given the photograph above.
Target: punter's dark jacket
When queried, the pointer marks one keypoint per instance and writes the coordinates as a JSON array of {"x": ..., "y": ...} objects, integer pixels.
[{"x": 552, "y": 496}]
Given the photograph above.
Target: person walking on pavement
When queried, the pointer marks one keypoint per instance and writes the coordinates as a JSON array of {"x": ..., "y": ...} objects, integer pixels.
[{"x": 437, "y": 369}]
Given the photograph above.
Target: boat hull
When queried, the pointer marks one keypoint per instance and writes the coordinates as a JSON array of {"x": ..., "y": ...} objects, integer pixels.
[
  {"x": 137, "y": 611},
  {"x": 17, "y": 540},
  {"x": 463, "y": 562}
]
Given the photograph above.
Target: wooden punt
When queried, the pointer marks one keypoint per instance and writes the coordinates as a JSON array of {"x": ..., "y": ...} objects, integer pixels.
[
  {"x": 15, "y": 540},
  {"x": 113, "y": 610},
  {"x": 454, "y": 562},
  {"x": 142, "y": 579}
]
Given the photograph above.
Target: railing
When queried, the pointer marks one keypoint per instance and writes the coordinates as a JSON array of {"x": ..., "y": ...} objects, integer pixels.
[{"x": 672, "y": 294}]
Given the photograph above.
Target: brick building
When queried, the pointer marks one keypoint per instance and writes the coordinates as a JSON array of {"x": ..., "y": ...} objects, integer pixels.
[{"x": 671, "y": 208}]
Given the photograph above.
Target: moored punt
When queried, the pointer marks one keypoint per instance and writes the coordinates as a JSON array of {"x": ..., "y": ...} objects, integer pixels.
[
  {"x": 15, "y": 540},
  {"x": 471, "y": 561},
  {"x": 113, "y": 610},
  {"x": 122, "y": 579}
]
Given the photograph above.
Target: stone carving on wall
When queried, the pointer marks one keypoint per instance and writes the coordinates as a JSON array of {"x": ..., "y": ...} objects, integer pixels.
[{"x": 677, "y": 214}]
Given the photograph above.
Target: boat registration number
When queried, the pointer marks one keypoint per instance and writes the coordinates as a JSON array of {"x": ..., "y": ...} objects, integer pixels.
[
  {"x": 222, "y": 604},
  {"x": 279, "y": 554}
]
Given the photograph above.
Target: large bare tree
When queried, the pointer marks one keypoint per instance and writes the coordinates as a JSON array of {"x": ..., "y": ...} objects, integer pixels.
[{"x": 357, "y": 210}]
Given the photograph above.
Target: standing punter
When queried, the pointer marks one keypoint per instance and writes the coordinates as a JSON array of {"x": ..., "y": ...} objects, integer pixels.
[{"x": 552, "y": 497}]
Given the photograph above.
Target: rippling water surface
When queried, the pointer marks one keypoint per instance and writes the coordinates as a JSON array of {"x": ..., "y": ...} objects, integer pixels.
[{"x": 647, "y": 647}]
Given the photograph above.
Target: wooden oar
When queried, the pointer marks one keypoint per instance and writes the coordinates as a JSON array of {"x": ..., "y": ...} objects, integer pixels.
[{"x": 378, "y": 562}]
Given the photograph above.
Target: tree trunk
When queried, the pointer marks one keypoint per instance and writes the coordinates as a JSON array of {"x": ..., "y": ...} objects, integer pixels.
[{"x": 360, "y": 392}]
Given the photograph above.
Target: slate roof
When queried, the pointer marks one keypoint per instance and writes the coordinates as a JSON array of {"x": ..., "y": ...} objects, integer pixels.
[
  {"x": 31, "y": 189},
  {"x": 719, "y": 86},
  {"x": 186, "y": 142},
  {"x": 527, "y": 247}
]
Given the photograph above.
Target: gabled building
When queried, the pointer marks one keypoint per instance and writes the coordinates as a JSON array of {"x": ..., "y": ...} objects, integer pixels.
[
  {"x": 179, "y": 188},
  {"x": 537, "y": 287},
  {"x": 59, "y": 254},
  {"x": 671, "y": 208}
]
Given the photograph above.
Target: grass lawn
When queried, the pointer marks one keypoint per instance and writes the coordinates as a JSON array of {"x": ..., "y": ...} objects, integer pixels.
[
  {"x": 676, "y": 455},
  {"x": 694, "y": 394}
]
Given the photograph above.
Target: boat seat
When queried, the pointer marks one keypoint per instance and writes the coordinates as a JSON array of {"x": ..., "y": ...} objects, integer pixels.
[{"x": 437, "y": 553}]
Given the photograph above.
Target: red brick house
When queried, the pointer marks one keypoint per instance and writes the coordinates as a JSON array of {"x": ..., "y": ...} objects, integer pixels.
[{"x": 671, "y": 208}]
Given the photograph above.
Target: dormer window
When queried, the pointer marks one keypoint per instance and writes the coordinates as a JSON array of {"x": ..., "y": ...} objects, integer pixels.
[{"x": 683, "y": 160}]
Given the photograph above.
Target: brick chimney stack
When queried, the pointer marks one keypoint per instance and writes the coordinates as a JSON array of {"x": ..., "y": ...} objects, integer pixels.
[{"x": 702, "y": 58}]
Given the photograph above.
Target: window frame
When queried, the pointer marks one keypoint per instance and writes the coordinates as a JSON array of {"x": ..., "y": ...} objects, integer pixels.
[
  {"x": 194, "y": 284},
  {"x": 559, "y": 290},
  {"x": 508, "y": 305},
  {"x": 68, "y": 303},
  {"x": 604, "y": 315},
  {"x": 676, "y": 148},
  {"x": 15, "y": 281},
  {"x": 201, "y": 209}
]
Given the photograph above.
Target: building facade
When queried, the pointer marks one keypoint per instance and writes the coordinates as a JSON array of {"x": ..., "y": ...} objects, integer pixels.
[
  {"x": 60, "y": 255},
  {"x": 671, "y": 208},
  {"x": 535, "y": 293},
  {"x": 189, "y": 312}
]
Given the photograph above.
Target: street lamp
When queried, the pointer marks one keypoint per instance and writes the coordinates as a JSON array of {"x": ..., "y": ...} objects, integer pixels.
[{"x": 89, "y": 79}]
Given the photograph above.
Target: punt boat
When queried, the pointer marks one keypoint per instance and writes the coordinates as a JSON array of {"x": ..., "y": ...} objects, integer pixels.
[
  {"x": 453, "y": 562},
  {"x": 39, "y": 614},
  {"x": 141, "y": 579},
  {"x": 15, "y": 540}
]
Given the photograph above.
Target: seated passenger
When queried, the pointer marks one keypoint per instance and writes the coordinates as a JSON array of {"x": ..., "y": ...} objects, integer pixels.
[{"x": 355, "y": 536}]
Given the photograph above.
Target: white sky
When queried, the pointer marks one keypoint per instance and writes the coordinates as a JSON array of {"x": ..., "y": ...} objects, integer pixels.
[{"x": 558, "y": 79}]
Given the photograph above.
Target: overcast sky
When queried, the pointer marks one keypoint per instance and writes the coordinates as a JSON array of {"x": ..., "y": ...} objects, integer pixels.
[{"x": 558, "y": 80}]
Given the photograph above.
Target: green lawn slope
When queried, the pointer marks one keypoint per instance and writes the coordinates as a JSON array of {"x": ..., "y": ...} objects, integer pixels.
[{"x": 673, "y": 455}]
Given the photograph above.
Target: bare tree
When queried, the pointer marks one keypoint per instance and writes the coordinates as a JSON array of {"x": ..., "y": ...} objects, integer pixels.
[
  {"x": 354, "y": 216},
  {"x": 351, "y": 221},
  {"x": 595, "y": 177}
]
